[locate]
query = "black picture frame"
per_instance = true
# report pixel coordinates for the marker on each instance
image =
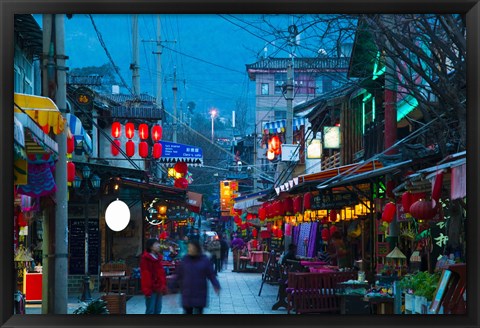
(470, 8)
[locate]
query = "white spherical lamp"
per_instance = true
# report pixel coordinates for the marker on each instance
(117, 215)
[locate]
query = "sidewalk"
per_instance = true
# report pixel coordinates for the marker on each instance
(239, 295)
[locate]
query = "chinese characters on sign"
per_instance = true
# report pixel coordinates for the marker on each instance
(228, 191)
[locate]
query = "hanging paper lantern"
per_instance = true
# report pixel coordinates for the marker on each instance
(70, 171)
(157, 150)
(181, 167)
(437, 186)
(277, 208)
(237, 220)
(423, 209)
(270, 155)
(265, 234)
(181, 183)
(389, 212)
(163, 235)
(390, 187)
(22, 222)
(325, 234)
(418, 195)
(143, 131)
(333, 216)
(114, 149)
(297, 204)
(116, 129)
(143, 149)
(307, 201)
(130, 148)
(333, 229)
(156, 133)
(274, 145)
(70, 145)
(288, 206)
(262, 214)
(407, 201)
(129, 130)
(254, 233)
(255, 244)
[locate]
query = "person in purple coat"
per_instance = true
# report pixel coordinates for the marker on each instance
(192, 274)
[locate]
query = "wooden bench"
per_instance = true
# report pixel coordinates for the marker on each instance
(311, 292)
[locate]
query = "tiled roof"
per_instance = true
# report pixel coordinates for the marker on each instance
(300, 63)
(122, 98)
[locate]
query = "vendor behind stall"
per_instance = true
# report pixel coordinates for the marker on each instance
(341, 252)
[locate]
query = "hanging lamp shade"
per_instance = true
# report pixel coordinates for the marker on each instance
(143, 131)
(254, 233)
(115, 150)
(70, 171)
(129, 130)
(307, 201)
(389, 212)
(423, 209)
(181, 183)
(270, 155)
(297, 204)
(143, 149)
(130, 148)
(274, 145)
(262, 213)
(70, 145)
(333, 229)
(325, 234)
(157, 150)
(116, 129)
(156, 133)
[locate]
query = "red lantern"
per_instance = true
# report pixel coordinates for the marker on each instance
(255, 244)
(157, 150)
(389, 212)
(130, 148)
(70, 171)
(262, 213)
(297, 204)
(307, 201)
(423, 209)
(265, 234)
(70, 145)
(129, 130)
(143, 131)
(114, 149)
(181, 167)
(116, 129)
(325, 234)
(163, 235)
(254, 233)
(274, 145)
(333, 229)
(333, 215)
(279, 233)
(22, 222)
(390, 187)
(437, 187)
(156, 133)
(181, 183)
(288, 206)
(407, 201)
(418, 195)
(143, 149)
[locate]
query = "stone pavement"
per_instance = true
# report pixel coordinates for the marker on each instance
(239, 295)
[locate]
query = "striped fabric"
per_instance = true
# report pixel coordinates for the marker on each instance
(277, 126)
(79, 133)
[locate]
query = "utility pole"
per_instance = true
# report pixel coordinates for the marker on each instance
(289, 98)
(134, 66)
(159, 63)
(48, 78)
(175, 120)
(61, 209)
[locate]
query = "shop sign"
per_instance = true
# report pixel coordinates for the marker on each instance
(383, 249)
(401, 215)
(333, 201)
(331, 137)
(177, 213)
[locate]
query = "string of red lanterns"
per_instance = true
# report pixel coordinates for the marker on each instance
(143, 132)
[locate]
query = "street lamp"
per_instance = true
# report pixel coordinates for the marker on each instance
(213, 114)
(86, 187)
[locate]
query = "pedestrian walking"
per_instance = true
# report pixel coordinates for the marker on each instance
(153, 279)
(237, 247)
(223, 253)
(192, 275)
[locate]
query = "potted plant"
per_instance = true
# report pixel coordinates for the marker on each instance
(97, 306)
(407, 285)
(426, 290)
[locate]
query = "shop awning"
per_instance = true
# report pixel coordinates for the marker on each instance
(81, 137)
(276, 126)
(250, 200)
(356, 177)
(36, 141)
(42, 110)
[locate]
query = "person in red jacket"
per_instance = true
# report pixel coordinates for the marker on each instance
(153, 279)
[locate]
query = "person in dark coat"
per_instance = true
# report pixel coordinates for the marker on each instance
(192, 275)
(153, 279)
(224, 253)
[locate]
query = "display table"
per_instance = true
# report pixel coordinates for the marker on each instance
(380, 305)
(313, 263)
(112, 277)
(32, 286)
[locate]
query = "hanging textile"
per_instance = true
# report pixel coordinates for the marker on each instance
(459, 182)
(304, 234)
(40, 180)
(311, 252)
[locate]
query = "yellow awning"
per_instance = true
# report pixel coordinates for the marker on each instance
(42, 110)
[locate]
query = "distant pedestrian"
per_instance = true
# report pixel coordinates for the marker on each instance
(237, 247)
(192, 275)
(152, 277)
(223, 253)
(214, 247)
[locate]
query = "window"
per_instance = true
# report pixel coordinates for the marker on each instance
(23, 73)
(280, 115)
(264, 88)
(280, 80)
